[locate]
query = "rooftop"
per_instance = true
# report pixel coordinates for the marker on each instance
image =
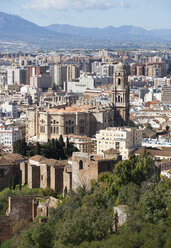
(50, 162)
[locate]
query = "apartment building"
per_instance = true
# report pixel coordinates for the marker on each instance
(122, 139)
(8, 135)
(16, 76)
(9, 109)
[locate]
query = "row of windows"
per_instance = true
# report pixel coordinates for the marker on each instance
(119, 99)
(72, 122)
(54, 130)
(69, 130)
(67, 122)
(54, 122)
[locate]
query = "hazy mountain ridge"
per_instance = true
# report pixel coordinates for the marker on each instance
(126, 32)
(15, 28)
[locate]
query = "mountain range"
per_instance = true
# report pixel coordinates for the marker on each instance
(15, 28)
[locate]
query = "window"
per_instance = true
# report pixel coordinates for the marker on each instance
(119, 98)
(81, 130)
(117, 145)
(42, 129)
(81, 121)
(81, 165)
(119, 81)
(41, 177)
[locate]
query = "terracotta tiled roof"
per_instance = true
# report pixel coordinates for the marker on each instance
(83, 108)
(50, 162)
(148, 133)
(38, 158)
(4, 162)
(155, 152)
(57, 163)
(13, 157)
(96, 158)
(111, 151)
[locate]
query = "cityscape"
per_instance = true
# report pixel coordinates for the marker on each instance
(85, 128)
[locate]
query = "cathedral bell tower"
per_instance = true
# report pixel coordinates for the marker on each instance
(120, 95)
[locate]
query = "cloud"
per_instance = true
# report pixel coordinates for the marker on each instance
(77, 4)
(70, 4)
(125, 4)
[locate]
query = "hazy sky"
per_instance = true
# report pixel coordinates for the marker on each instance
(100, 13)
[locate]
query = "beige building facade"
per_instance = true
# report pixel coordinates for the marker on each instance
(84, 120)
(82, 143)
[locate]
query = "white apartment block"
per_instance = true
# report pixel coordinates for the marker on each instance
(58, 74)
(9, 109)
(34, 93)
(8, 135)
(123, 139)
(81, 85)
(16, 76)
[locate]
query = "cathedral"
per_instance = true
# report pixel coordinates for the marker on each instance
(44, 124)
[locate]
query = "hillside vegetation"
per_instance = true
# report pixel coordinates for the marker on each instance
(85, 218)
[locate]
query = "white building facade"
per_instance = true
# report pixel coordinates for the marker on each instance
(9, 109)
(8, 135)
(123, 139)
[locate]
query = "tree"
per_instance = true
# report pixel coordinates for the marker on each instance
(20, 146)
(85, 224)
(37, 149)
(69, 149)
(153, 203)
(137, 169)
(61, 147)
(61, 141)
(37, 236)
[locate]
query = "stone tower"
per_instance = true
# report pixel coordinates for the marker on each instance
(120, 95)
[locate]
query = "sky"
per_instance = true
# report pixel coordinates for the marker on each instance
(148, 14)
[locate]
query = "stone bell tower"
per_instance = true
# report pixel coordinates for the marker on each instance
(120, 94)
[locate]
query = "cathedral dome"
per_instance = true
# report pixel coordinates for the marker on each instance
(120, 67)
